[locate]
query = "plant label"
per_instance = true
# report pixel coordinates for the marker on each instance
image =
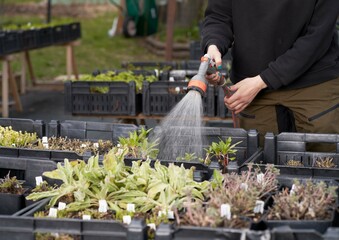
(170, 215)
(44, 139)
(292, 191)
(177, 90)
(152, 226)
(130, 207)
(61, 206)
(45, 145)
(38, 180)
(83, 145)
(53, 212)
(225, 211)
(244, 186)
(260, 178)
(86, 217)
(161, 213)
(96, 145)
(103, 206)
(13, 145)
(259, 207)
(126, 219)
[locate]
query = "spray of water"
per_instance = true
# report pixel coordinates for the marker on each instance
(180, 131)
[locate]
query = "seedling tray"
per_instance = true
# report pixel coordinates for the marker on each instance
(10, 42)
(28, 39)
(160, 97)
(93, 131)
(74, 31)
(286, 146)
(25, 125)
(23, 223)
(121, 98)
(44, 37)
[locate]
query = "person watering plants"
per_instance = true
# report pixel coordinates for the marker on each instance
(285, 57)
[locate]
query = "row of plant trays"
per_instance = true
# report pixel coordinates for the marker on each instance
(22, 225)
(12, 41)
(87, 134)
(155, 98)
(289, 153)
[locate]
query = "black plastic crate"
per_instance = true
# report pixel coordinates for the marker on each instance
(23, 222)
(28, 125)
(25, 169)
(248, 143)
(60, 34)
(121, 98)
(279, 149)
(44, 37)
(168, 65)
(74, 31)
(28, 39)
(93, 131)
(222, 110)
(10, 42)
(160, 97)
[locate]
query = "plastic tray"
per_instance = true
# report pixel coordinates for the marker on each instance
(28, 125)
(74, 31)
(120, 100)
(93, 131)
(28, 39)
(160, 97)
(10, 42)
(44, 37)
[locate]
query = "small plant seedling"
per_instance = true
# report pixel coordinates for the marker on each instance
(326, 162)
(188, 157)
(11, 185)
(221, 151)
(294, 163)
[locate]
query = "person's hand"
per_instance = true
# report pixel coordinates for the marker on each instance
(215, 56)
(244, 93)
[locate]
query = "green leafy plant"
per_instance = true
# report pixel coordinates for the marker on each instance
(12, 138)
(222, 151)
(125, 76)
(188, 157)
(138, 144)
(11, 185)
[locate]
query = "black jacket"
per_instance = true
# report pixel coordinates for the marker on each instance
(290, 43)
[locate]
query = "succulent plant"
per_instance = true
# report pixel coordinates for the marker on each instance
(12, 138)
(11, 185)
(326, 162)
(304, 201)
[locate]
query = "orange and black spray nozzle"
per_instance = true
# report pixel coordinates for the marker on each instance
(199, 82)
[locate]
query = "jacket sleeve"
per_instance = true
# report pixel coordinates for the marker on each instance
(217, 26)
(307, 49)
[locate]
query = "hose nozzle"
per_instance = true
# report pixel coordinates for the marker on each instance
(199, 82)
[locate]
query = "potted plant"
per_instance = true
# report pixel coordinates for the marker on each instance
(309, 204)
(11, 195)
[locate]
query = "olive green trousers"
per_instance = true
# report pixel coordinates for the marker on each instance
(313, 109)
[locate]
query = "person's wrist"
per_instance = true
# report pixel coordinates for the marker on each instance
(261, 83)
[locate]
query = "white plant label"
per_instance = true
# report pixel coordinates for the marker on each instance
(103, 206)
(225, 211)
(292, 191)
(259, 207)
(177, 90)
(38, 180)
(171, 79)
(260, 178)
(161, 213)
(53, 212)
(83, 145)
(96, 145)
(13, 145)
(45, 145)
(152, 226)
(61, 206)
(170, 215)
(44, 139)
(130, 207)
(156, 72)
(244, 186)
(86, 217)
(126, 219)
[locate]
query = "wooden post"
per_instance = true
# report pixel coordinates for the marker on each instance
(23, 74)
(5, 101)
(14, 88)
(30, 68)
(171, 12)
